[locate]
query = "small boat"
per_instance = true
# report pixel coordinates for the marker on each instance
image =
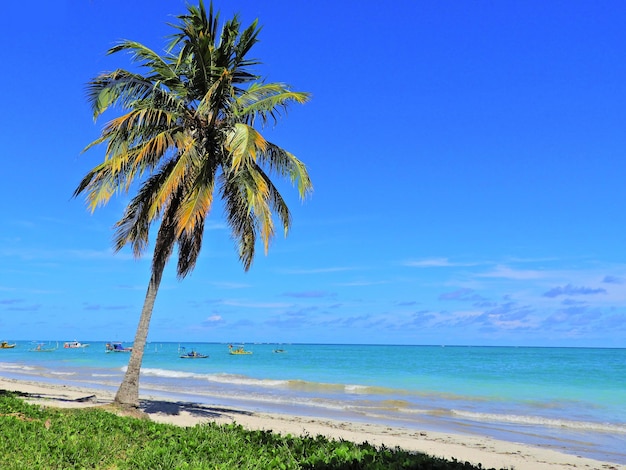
(6, 345)
(43, 347)
(238, 351)
(117, 347)
(279, 351)
(74, 345)
(191, 354)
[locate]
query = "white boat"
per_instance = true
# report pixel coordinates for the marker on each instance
(74, 345)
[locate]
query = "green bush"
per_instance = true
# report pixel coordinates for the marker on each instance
(37, 437)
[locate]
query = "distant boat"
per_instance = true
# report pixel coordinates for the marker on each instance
(117, 347)
(279, 351)
(42, 347)
(74, 345)
(6, 345)
(191, 354)
(238, 351)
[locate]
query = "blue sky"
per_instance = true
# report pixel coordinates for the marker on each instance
(467, 158)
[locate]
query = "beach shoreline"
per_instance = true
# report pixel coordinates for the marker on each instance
(474, 449)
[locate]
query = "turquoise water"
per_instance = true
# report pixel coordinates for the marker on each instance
(569, 399)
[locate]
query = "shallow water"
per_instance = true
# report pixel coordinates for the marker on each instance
(569, 399)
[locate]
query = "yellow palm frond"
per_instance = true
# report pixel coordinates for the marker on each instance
(185, 146)
(243, 143)
(194, 208)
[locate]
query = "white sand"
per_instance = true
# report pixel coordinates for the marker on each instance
(489, 452)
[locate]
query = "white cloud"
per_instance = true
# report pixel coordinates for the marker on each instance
(436, 263)
(505, 272)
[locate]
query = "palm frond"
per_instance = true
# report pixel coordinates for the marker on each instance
(243, 144)
(285, 164)
(116, 88)
(189, 245)
(266, 101)
(134, 226)
(240, 220)
(161, 68)
(99, 185)
(183, 164)
(277, 203)
(198, 200)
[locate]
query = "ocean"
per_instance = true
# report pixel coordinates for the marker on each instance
(571, 400)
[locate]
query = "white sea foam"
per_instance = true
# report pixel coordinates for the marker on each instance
(542, 421)
(242, 380)
(13, 367)
(61, 373)
(172, 374)
(230, 379)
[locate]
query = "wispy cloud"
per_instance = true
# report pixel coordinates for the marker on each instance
(407, 303)
(464, 295)
(25, 308)
(361, 283)
(215, 225)
(436, 263)
(253, 304)
(573, 290)
(506, 272)
(96, 307)
(309, 294)
(213, 320)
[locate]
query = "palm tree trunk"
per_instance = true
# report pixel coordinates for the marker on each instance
(128, 393)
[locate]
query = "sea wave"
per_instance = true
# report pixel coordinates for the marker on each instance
(244, 380)
(15, 367)
(229, 379)
(542, 421)
(292, 385)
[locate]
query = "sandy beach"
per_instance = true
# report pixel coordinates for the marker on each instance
(489, 452)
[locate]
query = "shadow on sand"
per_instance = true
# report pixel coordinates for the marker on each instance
(194, 409)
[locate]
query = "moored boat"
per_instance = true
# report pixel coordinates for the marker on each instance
(193, 354)
(43, 347)
(238, 351)
(74, 345)
(117, 347)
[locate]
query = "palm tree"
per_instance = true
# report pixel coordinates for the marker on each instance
(189, 133)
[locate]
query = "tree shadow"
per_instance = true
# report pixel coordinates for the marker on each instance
(194, 409)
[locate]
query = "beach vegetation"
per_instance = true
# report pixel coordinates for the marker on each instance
(189, 133)
(33, 436)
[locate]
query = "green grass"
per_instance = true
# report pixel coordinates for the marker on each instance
(37, 437)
